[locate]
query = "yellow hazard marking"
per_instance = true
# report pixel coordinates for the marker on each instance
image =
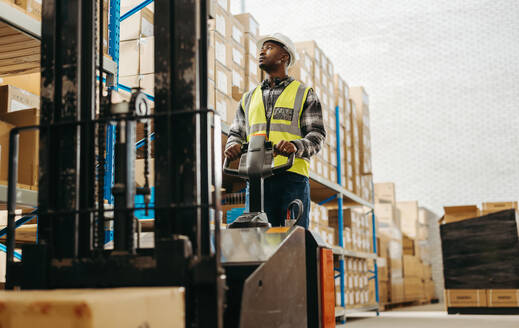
(278, 230)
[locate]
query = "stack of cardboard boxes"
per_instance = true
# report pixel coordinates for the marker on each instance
(403, 273)
(357, 229)
(232, 43)
(390, 246)
(319, 70)
(361, 99)
(342, 101)
(136, 51)
(319, 220)
(31, 7)
(356, 284)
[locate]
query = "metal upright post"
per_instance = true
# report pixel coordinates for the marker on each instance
(87, 146)
(113, 50)
(339, 203)
(61, 101)
(375, 266)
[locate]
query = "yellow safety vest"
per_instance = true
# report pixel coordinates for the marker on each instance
(284, 123)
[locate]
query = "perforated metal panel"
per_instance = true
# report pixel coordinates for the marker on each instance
(443, 80)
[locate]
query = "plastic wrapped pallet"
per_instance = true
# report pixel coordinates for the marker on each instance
(482, 252)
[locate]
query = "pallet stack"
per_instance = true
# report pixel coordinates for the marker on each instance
(481, 256)
(364, 170)
(405, 271)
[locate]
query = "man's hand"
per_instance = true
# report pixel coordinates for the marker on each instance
(233, 152)
(284, 148)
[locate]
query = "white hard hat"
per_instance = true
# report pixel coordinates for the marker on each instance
(284, 40)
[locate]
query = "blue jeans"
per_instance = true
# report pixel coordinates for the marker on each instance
(279, 191)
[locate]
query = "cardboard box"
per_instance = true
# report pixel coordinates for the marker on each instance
(385, 193)
(459, 213)
(412, 267)
(422, 233)
(252, 69)
(145, 81)
(397, 290)
(29, 145)
(492, 207)
(137, 25)
(211, 94)
(129, 58)
(237, 32)
(14, 99)
(223, 106)
(34, 8)
(224, 4)
(237, 55)
(238, 83)
(223, 79)
(383, 272)
(408, 217)
(28, 82)
(221, 23)
(222, 52)
(503, 297)
(383, 292)
(249, 23)
(361, 99)
(5, 128)
(385, 214)
(408, 245)
(466, 298)
(94, 308)
(413, 289)
(430, 290)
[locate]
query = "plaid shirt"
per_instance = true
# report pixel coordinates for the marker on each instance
(312, 127)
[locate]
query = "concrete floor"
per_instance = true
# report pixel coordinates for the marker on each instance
(427, 316)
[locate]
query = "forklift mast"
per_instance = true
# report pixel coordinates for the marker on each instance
(76, 109)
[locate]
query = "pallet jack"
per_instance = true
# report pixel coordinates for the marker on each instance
(277, 276)
(247, 276)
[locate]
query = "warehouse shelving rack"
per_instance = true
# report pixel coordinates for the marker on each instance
(342, 311)
(24, 33)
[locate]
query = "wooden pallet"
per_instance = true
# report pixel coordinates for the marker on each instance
(394, 305)
(483, 310)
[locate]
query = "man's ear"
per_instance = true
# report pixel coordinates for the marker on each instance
(286, 58)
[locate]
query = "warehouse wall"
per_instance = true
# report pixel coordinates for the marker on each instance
(443, 83)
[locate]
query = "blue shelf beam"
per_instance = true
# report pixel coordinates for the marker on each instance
(135, 9)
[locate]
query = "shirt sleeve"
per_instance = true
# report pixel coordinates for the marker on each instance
(312, 127)
(237, 132)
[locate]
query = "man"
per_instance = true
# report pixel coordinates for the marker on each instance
(290, 114)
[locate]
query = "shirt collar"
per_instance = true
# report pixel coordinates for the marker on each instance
(278, 83)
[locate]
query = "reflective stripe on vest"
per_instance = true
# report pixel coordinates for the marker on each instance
(285, 120)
